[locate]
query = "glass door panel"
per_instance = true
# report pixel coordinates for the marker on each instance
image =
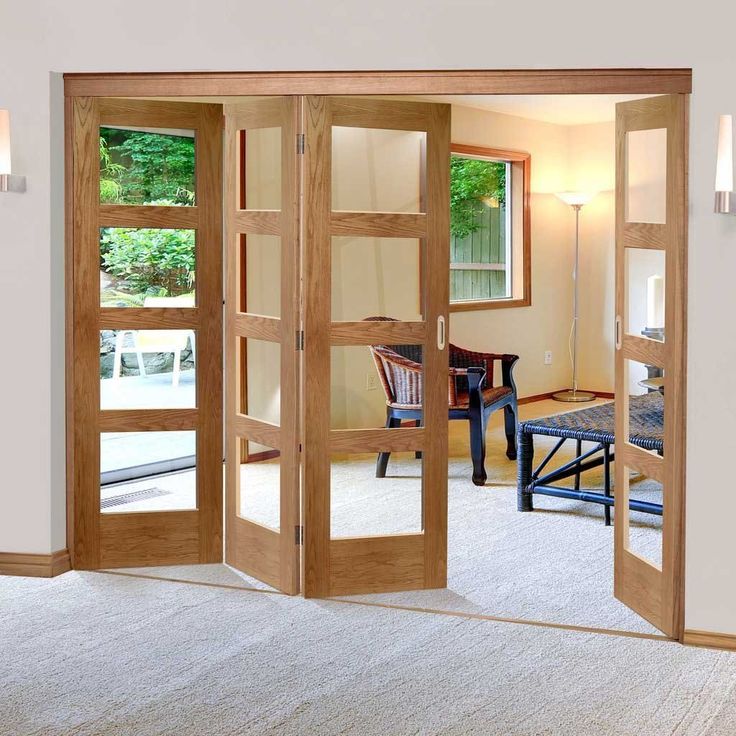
(146, 207)
(651, 209)
(262, 359)
(376, 209)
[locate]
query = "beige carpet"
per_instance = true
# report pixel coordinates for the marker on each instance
(97, 654)
(554, 564)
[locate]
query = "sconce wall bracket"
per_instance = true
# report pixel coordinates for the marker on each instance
(725, 203)
(12, 183)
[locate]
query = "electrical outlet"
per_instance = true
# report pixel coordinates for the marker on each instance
(548, 357)
(371, 381)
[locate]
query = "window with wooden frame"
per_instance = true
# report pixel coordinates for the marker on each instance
(490, 242)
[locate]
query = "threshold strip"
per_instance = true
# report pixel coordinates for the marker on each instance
(411, 609)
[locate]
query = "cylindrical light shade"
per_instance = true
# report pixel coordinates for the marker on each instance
(576, 198)
(724, 163)
(4, 142)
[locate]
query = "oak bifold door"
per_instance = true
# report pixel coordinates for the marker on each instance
(144, 373)
(300, 214)
(651, 250)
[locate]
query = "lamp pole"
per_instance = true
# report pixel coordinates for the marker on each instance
(572, 395)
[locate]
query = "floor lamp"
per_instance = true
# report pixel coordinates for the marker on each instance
(576, 200)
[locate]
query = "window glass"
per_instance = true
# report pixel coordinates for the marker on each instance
(144, 166)
(480, 227)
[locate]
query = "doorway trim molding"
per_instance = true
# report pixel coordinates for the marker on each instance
(655, 81)
(378, 82)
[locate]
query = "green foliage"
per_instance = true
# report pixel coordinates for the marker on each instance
(150, 261)
(141, 167)
(110, 189)
(471, 182)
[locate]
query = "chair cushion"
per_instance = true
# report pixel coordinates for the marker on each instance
(490, 396)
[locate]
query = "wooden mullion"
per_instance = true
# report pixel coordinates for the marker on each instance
(378, 333)
(378, 224)
(148, 420)
(151, 318)
(148, 216)
(407, 439)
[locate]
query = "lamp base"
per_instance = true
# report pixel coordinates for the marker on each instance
(572, 396)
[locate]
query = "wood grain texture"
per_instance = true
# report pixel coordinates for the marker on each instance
(149, 216)
(709, 639)
(256, 430)
(149, 318)
(386, 563)
(141, 538)
(644, 350)
(377, 440)
(35, 565)
(209, 334)
(148, 420)
(258, 327)
(377, 564)
(256, 550)
(651, 236)
(378, 224)
(437, 299)
(357, 112)
(147, 539)
(498, 81)
(316, 251)
(648, 464)
(257, 222)
(85, 357)
(378, 333)
(271, 556)
(149, 114)
(654, 593)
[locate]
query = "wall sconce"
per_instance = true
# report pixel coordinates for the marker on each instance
(8, 182)
(724, 167)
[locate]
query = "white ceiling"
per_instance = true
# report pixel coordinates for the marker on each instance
(559, 109)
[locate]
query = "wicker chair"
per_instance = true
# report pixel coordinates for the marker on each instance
(471, 394)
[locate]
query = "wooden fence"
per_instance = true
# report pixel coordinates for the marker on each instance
(478, 261)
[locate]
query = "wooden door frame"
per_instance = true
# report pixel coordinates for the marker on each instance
(367, 82)
(181, 536)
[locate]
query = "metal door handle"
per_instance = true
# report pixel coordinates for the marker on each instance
(618, 332)
(440, 333)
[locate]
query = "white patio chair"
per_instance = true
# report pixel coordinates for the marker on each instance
(155, 341)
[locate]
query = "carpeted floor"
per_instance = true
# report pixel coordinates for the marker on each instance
(98, 654)
(132, 653)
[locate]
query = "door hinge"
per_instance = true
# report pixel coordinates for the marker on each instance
(300, 142)
(300, 339)
(298, 534)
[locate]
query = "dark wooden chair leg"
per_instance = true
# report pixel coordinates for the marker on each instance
(510, 421)
(579, 452)
(478, 446)
(382, 461)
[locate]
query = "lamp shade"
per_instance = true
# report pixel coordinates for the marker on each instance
(724, 163)
(4, 142)
(576, 198)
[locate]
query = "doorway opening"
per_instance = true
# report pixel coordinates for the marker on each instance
(338, 259)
